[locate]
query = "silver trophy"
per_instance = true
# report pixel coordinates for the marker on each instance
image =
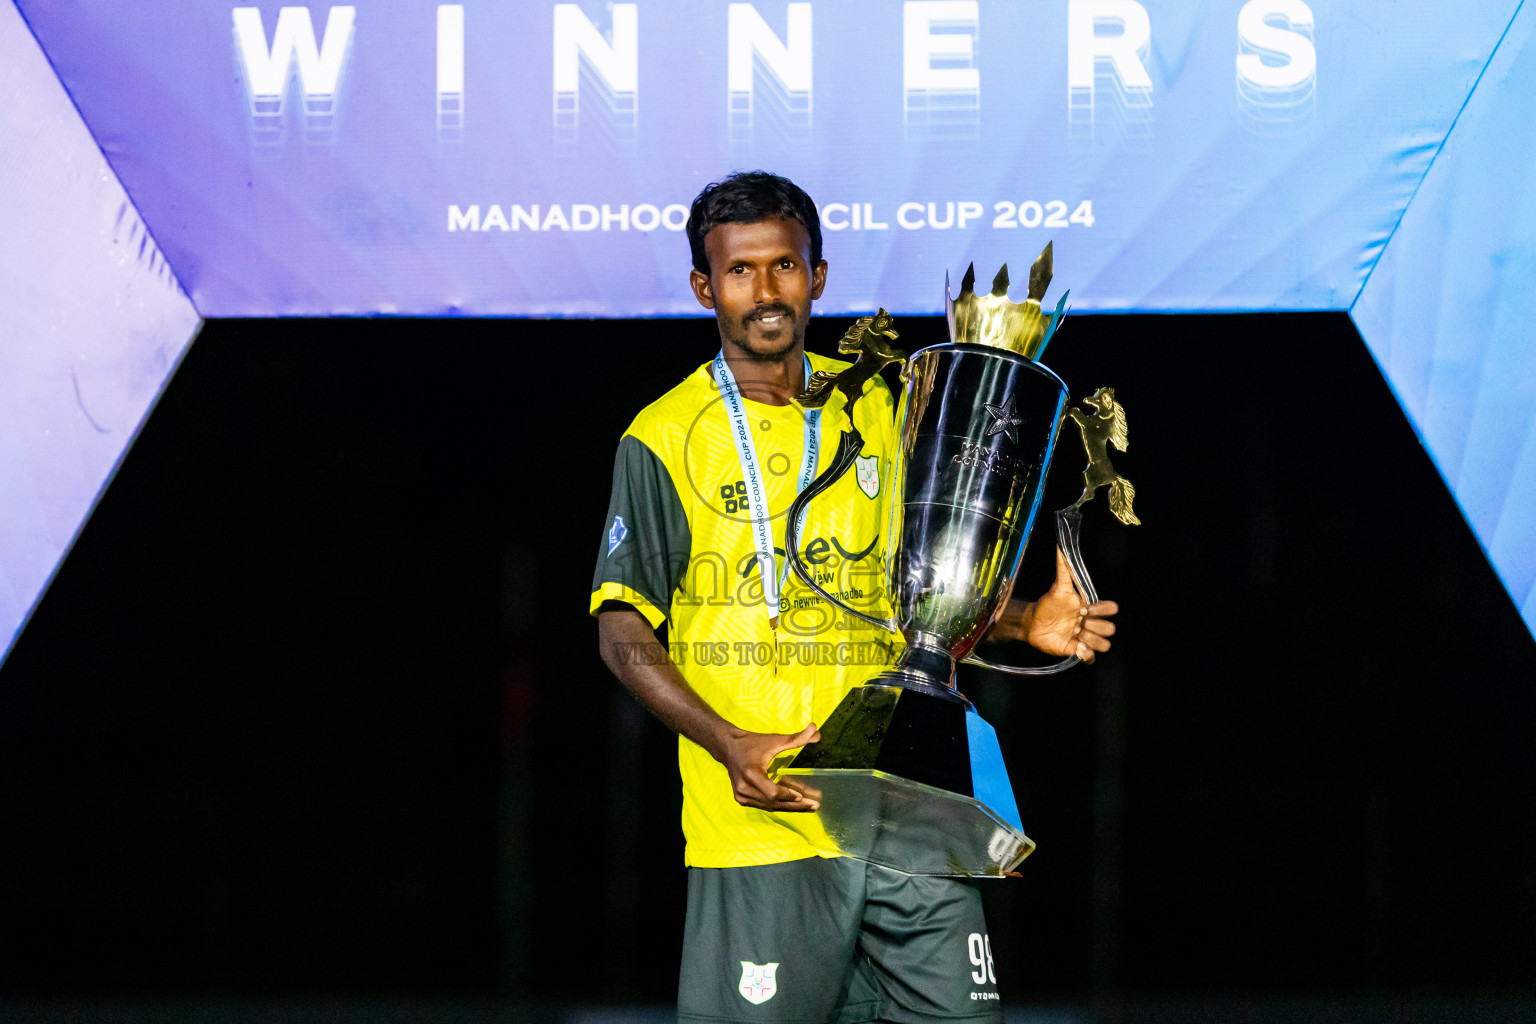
(907, 774)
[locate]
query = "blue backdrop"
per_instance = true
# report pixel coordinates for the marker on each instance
(91, 323)
(1450, 312)
(536, 158)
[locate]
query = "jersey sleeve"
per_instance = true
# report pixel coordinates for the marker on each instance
(646, 539)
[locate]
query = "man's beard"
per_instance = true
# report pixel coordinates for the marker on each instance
(764, 350)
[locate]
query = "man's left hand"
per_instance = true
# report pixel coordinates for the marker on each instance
(1059, 623)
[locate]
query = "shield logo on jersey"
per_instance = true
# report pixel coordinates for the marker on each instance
(868, 469)
(616, 533)
(757, 981)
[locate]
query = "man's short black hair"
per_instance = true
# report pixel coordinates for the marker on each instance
(747, 197)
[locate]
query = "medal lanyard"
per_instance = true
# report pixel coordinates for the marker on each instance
(757, 498)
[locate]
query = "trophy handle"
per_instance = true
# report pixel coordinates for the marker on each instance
(847, 451)
(1069, 520)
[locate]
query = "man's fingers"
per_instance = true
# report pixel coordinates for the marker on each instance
(756, 790)
(781, 799)
(799, 785)
(1102, 608)
(789, 800)
(799, 805)
(756, 784)
(1103, 627)
(1093, 641)
(1084, 654)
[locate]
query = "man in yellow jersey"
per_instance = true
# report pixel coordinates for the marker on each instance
(694, 537)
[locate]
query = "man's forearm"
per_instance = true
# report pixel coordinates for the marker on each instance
(654, 680)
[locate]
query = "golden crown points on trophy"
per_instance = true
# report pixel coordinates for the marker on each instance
(997, 322)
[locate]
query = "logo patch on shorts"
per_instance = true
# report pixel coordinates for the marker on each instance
(757, 981)
(616, 534)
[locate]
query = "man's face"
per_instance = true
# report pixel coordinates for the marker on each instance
(760, 285)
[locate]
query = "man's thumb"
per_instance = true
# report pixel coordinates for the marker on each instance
(1064, 582)
(810, 734)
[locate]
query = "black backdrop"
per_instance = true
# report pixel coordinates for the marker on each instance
(314, 708)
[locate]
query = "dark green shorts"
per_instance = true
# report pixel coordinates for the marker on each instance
(833, 941)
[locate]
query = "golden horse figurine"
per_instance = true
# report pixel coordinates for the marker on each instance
(1103, 427)
(869, 338)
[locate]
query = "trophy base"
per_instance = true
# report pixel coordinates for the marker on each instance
(910, 781)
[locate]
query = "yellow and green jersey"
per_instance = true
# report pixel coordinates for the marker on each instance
(678, 546)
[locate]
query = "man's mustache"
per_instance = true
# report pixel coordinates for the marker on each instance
(769, 309)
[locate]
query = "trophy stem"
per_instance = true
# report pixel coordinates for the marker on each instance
(924, 665)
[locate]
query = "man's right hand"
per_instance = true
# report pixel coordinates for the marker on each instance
(746, 756)
(656, 683)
